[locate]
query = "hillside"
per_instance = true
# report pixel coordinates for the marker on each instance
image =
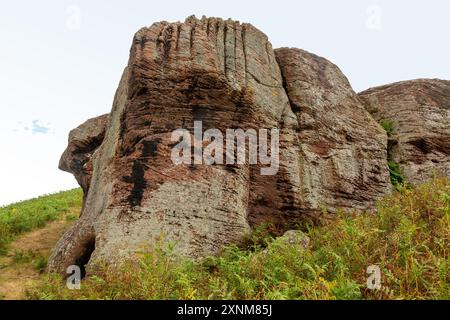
(28, 232)
(407, 238)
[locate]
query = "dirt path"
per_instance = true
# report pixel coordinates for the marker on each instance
(16, 274)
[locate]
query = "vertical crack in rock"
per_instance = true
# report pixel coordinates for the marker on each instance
(85, 255)
(244, 50)
(225, 34)
(192, 35)
(178, 37)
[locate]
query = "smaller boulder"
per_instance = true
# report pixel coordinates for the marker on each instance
(83, 141)
(419, 113)
(294, 238)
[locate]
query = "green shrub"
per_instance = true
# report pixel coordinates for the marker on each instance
(396, 175)
(388, 126)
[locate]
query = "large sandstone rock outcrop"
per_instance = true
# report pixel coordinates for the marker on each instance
(420, 113)
(225, 74)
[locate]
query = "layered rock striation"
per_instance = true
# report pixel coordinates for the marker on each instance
(419, 112)
(222, 75)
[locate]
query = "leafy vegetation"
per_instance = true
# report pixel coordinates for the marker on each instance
(388, 126)
(25, 216)
(407, 238)
(396, 175)
(397, 178)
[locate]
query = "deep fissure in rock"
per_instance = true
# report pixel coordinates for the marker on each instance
(85, 256)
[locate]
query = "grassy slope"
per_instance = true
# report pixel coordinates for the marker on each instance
(408, 238)
(26, 216)
(27, 256)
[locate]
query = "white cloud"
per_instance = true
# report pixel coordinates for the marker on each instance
(34, 127)
(39, 127)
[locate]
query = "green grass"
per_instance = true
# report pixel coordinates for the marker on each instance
(37, 260)
(408, 238)
(25, 216)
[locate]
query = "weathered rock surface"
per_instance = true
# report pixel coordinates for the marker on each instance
(83, 141)
(420, 112)
(220, 72)
(225, 74)
(342, 154)
(295, 238)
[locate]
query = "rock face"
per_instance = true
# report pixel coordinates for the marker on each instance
(226, 75)
(420, 113)
(83, 141)
(342, 149)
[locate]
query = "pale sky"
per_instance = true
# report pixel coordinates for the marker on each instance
(60, 61)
